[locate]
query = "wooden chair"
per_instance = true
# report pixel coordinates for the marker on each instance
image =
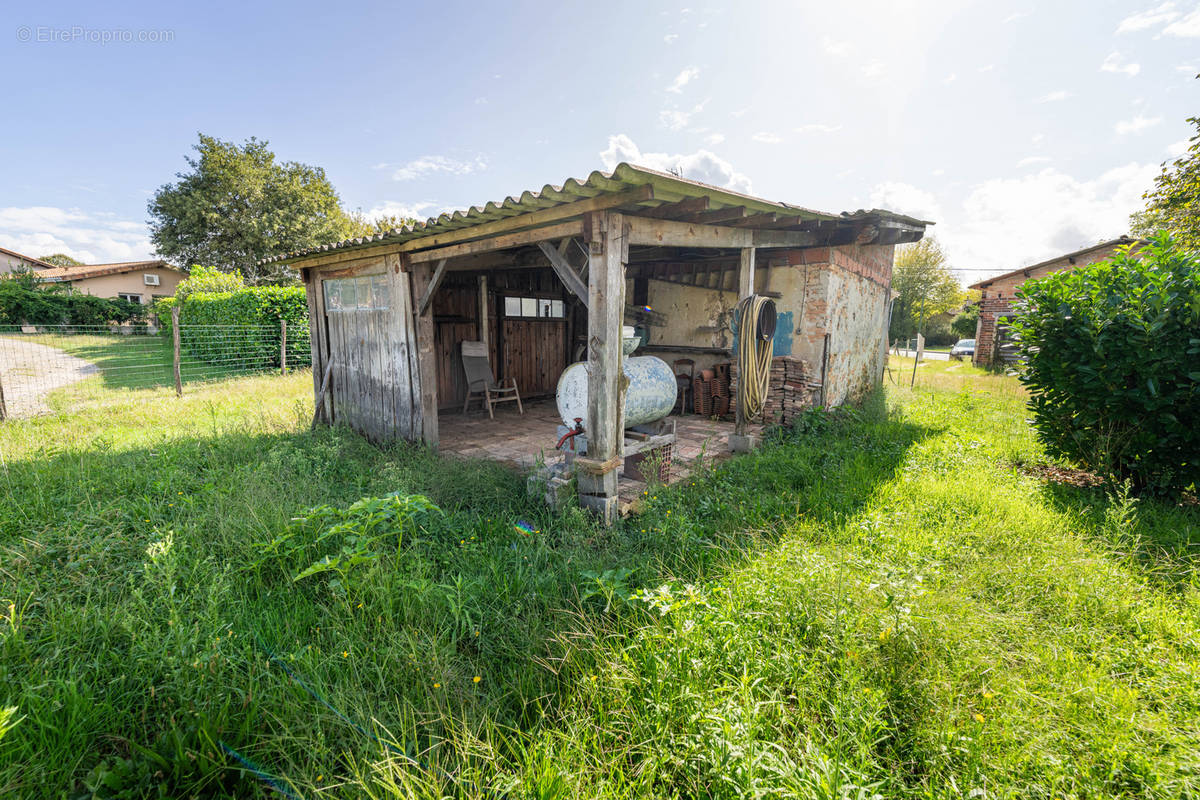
(481, 382)
(683, 383)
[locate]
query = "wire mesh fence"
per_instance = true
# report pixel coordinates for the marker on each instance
(44, 367)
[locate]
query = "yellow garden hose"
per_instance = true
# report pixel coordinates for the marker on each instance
(754, 355)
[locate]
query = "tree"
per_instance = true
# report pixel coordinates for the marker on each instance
(965, 323)
(360, 225)
(237, 205)
(60, 260)
(1174, 203)
(920, 273)
(208, 279)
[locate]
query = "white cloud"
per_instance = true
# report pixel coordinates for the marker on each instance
(1188, 68)
(1135, 125)
(906, 199)
(1055, 96)
(817, 127)
(767, 137)
(1016, 16)
(741, 112)
(951, 78)
(1176, 149)
(937, 173)
(1115, 63)
(1148, 19)
(873, 68)
(702, 165)
(683, 79)
(392, 208)
(1037, 138)
(834, 48)
(714, 138)
(1005, 223)
(673, 120)
(1029, 161)
(670, 38)
(94, 238)
(987, 68)
(426, 165)
(1188, 27)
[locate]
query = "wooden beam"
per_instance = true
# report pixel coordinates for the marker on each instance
(668, 233)
(718, 215)
(531, 219)
(597, 475)
(434, 283)
(565, 272)
(746, 273)
(534, 218)
(483, 310)
(501, 242)
(682, 208)
(754, 220)
(426, 357)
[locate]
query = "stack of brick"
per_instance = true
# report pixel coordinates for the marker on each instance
(792, 389)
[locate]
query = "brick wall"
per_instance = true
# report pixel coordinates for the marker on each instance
(999, 295)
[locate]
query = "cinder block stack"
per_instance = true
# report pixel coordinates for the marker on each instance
(792, 390)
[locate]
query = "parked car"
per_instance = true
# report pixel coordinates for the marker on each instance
(963, 348)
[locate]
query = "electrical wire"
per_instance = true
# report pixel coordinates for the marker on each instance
(754, 357)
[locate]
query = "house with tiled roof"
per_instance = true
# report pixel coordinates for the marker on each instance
(998, 296)
(137, 281)
(12, 261)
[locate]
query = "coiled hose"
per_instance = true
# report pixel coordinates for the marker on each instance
(754, 356)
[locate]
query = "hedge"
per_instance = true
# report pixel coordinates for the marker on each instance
(1112, 363)
(27, 301)
(242, 327)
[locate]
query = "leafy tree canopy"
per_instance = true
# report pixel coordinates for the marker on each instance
(361, 225)
(921, 271)
(208, 279)
(1174, 203)
(237, 205)
(60, 260)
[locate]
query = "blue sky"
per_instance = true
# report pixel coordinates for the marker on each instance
(1023, 129)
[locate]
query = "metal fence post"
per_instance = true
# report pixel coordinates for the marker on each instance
(3, 407)
(283, 347)
(175, 340)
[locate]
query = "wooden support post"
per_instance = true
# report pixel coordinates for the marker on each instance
(321, 403)
(608, 242)
(175, 340)
(283, 347)
(423, 274)
(432, 287)
(745, 289)
(484, 335)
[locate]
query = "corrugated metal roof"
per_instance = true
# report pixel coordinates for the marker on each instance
(667, 188)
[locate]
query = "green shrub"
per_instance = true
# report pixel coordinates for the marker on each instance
(26, 300)
(965, 323)
(208, 279)
(1112, 355)
(243, 326)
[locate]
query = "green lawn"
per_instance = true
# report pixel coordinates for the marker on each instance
(880, 603)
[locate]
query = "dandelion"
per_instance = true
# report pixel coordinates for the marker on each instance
(320, 778)
(477, 678)
(593, 679)
(345, 654)
(360, 605)
(978, 717)
(437, 686)
(988, 695)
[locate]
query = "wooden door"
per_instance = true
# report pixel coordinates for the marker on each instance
(534, 352)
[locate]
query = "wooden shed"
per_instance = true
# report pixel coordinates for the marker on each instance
(550, 277)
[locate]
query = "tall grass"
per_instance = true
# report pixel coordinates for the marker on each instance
(875, 603)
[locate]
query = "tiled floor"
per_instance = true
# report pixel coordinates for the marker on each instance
(523, 440)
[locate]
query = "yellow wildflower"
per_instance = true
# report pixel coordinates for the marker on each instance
(978, 717)
(477, 678)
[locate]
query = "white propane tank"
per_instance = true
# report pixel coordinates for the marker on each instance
(650, 396)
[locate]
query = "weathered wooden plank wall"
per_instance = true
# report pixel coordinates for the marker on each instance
(374, 387)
